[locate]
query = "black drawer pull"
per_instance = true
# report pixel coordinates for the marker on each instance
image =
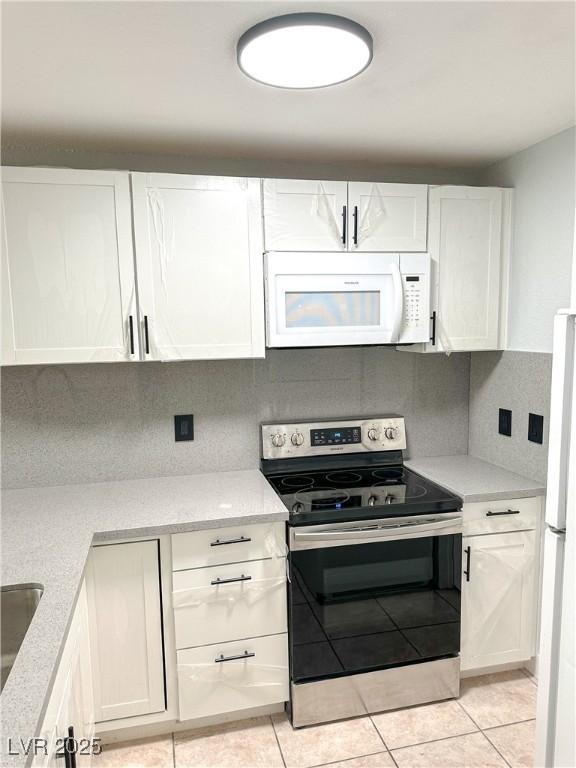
(146, 338)
(506, 512)
(467, 569)
(344, 223)
(216, 582)
(245, 655)
(131, 330)
(219, 543)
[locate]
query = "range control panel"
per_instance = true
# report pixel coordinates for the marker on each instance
(380, 433)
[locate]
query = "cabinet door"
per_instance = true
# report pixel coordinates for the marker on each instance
(68, 269)
(498, 600)
(199, 260)
(465, 246)
(126, 630)
(302, 215)
(71, 701)
(387, 217)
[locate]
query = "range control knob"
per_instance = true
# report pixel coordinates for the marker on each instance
(372, 500)
(391, 433)
(373, 433)
(278, 440)
(297, 438)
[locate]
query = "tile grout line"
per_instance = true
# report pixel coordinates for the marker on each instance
(277, 740)
(483, 734)
(505, 725)
(173, 751)
(434, 741)
(378, 732)
(348, 759)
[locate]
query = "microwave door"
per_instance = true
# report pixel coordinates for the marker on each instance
(316, 310)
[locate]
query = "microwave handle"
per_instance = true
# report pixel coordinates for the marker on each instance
(398, 304)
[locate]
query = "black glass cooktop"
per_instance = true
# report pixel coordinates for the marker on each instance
(359, 493)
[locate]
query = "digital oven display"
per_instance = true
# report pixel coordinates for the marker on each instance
(335, 436)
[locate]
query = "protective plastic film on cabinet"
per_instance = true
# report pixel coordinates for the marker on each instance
(232, 676)
(498, 598)
(199, 253)
(229, 602)
(301, 215)
(67, 267)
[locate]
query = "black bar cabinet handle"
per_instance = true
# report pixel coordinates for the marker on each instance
(71, 747)
(131, 331)
(245, 655)
(506, 512)
(467, 569)
(219, 543)
(146, 340)
(344, 223)
(433, 336)
(216, 582)
(355, 235)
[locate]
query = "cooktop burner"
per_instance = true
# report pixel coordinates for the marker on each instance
(321, 496)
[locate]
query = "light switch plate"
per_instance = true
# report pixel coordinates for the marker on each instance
(505, 422)
(535, 428)
(184, 428)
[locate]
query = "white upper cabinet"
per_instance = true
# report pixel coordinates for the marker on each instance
(387, 217)
(304, 215)
(199, 263)
(301, 215)
(68, 289)
(468, 241)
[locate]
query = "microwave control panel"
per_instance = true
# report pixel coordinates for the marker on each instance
(299, 439)
(413, 288)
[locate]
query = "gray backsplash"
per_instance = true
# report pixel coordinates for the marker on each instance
(85, 423)
(519, 381)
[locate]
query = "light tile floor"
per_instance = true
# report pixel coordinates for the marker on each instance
(491, 725)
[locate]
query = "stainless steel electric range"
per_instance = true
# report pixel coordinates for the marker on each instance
(375, 569)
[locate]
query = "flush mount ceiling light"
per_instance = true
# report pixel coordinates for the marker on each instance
(304, 50)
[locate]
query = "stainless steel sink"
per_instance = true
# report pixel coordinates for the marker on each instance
(18, 604)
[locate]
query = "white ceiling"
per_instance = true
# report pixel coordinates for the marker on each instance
(451, 82)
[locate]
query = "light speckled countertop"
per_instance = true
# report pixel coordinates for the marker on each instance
(46, 537)
(475, 480)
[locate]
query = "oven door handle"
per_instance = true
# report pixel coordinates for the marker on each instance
(395, 530)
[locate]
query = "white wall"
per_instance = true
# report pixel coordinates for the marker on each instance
(33, 154)
(543, 231)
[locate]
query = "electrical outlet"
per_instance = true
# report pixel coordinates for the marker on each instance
(184, 428)
(535, 428)
(505, 422)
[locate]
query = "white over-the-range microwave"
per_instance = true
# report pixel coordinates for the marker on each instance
(333, 299)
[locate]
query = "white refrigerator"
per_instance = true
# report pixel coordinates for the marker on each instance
(556, 711)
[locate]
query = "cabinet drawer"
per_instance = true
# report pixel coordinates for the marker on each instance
(213, 605)
(234, 544)
(211, 681)
(502, 516)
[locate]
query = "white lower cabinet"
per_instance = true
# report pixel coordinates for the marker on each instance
(229, 601)
(230, 619)
(499, 590)
(126, 629)
(71, 703)
(229, 677)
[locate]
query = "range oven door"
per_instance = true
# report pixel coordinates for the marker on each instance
(374, 595)
(331, 299)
